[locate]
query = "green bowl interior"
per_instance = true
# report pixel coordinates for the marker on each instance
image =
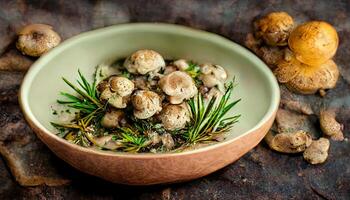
(256, 87)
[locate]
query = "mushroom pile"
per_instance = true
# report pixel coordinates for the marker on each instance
(300, 56)
(146, 87)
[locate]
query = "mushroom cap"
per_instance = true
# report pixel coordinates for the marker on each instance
(121, 85)
(111, 119)
(329, 125)
(37, 39)
(146, 104)
(295, 142)
(144, 61)
(181, 64)
(317, 152)
(114, 99)
(307, 79)
(179, 86)
(314, 42)
(213, 75)
(274, 28)
(174, 116)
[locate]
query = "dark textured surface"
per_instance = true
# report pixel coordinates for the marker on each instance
(262, 173)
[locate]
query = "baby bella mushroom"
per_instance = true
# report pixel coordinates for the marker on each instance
(37, 39)
(144, 61)
(116, 91)
(179, 86)
(174, 116)
(146, 104)
(213, 75)
(274, 28)
(306, 79)
(314, 42)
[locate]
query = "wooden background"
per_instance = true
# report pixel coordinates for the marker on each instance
(261, 174)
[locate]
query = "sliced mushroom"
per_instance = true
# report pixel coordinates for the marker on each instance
(107, 142)
(274, 28)
(294, 142)
(144, 61)
(174, 117)
(213, 75)
(179, 86)
(37, 39)
(329, 125)
(146, 104)
(112, 119)
(317, 152)
(181, 64)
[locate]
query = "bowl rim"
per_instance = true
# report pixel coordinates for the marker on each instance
(159, 27)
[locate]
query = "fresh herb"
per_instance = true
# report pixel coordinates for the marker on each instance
(193, 70)
(208, 118)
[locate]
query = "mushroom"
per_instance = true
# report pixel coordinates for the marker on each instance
(112, 119)
(169, 69)
(329, 125)
(116, 91)
(306, 79)
(314, 42)
(107, 142)
(274, 28)
(144, 61)
(179, 86)
(168, 141)
(297, 106)
(181, 64)
(174, 117)
(213, 75)
(146, 104)
(37, 39)
(214, 93)
(294, 142)
(317, 152)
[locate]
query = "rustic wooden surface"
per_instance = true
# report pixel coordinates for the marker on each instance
(261, 174)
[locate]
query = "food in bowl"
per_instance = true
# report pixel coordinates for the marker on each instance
(144, 103)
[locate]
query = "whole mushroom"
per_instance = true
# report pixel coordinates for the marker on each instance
(116, 91)
(307, 79)
(179, 86)
(112, 119)
(213, 75)
(314, 42)
(181, 64)
(174, 117)
(274, 28)
(146, 104)
(144, 61)
(37, 39)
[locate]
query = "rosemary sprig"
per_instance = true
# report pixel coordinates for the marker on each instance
(208, 118)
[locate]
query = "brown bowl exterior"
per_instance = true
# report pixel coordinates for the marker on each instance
(138, 169)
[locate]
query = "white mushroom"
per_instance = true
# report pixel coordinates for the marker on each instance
(112, 119)
(179, 86)
(146, 104)
(213, 75)
(121, 85)
(181, 64)
(174, 116)
(116, 91)
(214, 92)
(144, 61)
(168, 141)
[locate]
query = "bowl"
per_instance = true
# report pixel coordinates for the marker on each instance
(257, 87)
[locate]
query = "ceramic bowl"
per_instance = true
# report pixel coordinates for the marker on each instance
(257, 87)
